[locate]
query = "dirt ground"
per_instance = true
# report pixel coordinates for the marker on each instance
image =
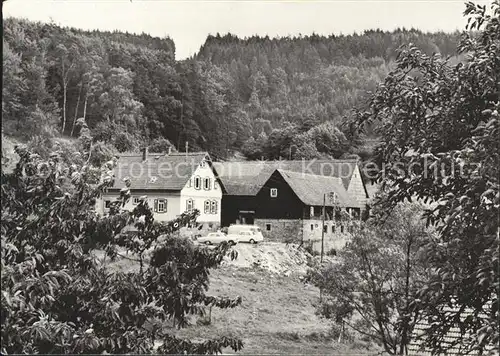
(278, 310)
(277, 258)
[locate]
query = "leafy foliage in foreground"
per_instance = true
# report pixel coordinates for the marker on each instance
(440, 123)
(376, 277)
(58, 298)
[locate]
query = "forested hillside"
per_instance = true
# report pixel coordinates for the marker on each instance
(263, 97)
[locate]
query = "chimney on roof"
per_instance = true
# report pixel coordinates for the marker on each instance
(144, 153)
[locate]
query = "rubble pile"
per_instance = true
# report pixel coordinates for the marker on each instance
(279, 258)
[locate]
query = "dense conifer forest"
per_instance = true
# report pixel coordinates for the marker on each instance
(266, 98)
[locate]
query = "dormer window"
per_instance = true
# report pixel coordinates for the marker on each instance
(197, 182)
(274, 192)
(203, 164)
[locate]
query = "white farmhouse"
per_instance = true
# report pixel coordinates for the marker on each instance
(173, 183)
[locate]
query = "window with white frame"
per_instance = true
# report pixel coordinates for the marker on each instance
(107, 204)
(136, 200)
(161, 205)
(197, 182)
(268, 227)
(213, 207)
(207, 207)
(274, 192)
(206, 183)
(189, 205)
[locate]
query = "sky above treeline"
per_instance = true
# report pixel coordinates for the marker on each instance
(189, 23)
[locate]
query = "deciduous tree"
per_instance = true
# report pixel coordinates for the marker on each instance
(377, 275)
(57, 297)
(440, 129)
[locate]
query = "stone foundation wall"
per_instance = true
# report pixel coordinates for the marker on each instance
(290, 230)
(332, 239)
(282, 230)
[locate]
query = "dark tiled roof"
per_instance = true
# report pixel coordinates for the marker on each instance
(247, 177)
(453, 341)
(311, 188)
(159, 171)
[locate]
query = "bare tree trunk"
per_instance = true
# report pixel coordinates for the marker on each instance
(65, 92)
(64, 98)
(406, 324)
(85, 106)
(76, 109)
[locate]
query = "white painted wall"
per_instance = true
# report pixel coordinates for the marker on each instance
(199, 196)
(173, 204)
(176, 202)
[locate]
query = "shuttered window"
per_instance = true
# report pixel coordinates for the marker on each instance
(189, 205)
(213, 207)
(206, 183)
(197, 182)
(162, 205)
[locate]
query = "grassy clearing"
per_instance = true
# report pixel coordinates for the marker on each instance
(277, 314)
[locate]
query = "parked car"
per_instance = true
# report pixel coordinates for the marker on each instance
(250, 235)
(238, 229)
(214, 238)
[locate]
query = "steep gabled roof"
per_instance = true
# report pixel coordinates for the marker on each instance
(247, 177)
(158, 172)
(310, 189)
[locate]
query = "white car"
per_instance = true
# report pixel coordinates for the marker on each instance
(250, 236)
(215, 238)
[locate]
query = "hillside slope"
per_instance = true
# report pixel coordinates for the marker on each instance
(277, 314)
(258, 96)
